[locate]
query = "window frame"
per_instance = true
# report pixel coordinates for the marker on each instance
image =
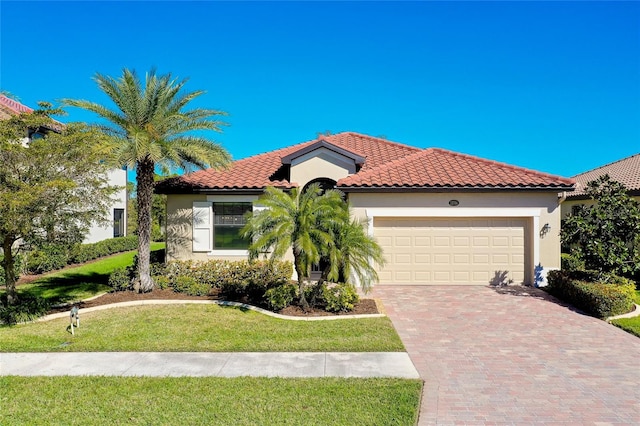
(229, 220)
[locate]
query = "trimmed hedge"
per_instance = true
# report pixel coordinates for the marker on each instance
(601, 295)
(53, 256)
(234, 278)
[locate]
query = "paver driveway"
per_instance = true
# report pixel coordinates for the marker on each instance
(514, 356)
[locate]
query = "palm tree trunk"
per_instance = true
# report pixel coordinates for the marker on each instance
(301, 277)
(8, 264)
(144, 170)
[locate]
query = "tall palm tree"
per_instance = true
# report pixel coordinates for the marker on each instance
(149, 127)
(300, 221)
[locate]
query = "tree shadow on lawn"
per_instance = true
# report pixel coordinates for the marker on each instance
(66, 287)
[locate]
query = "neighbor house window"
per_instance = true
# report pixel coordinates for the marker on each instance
(228, 220)
(118, 223)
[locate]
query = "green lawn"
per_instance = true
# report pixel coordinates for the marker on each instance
(205, 328)
(208, 401)
(80, 282)
(630, 325)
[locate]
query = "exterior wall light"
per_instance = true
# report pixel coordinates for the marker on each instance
(454, 203)
(545, 230)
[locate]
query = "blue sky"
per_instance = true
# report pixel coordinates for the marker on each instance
(552, 86)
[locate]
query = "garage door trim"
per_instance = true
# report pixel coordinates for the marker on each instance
(457, 212)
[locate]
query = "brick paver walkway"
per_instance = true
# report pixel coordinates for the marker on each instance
(514, 356)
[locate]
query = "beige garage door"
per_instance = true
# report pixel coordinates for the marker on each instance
(451, 251)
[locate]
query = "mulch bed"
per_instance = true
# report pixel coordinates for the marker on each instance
(365, 306)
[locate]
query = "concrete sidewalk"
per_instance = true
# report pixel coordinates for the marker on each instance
(217, 364)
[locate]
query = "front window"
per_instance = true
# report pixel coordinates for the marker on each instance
(118, 223)
(229, 218)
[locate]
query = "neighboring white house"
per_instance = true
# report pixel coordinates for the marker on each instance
(117, 212)
(442, 218)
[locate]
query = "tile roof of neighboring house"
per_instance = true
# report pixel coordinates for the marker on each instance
(10, 107)
(625, 171)
(387, 165)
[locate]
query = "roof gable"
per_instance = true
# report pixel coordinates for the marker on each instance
(357, 159)
(626, 171)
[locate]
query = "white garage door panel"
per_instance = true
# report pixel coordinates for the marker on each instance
(451, 251)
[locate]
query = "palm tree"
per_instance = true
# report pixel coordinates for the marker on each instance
(300, 221)
(353, 253)
(149, 127)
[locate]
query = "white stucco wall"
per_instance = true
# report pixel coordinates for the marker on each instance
(103, 231)
(321, 163)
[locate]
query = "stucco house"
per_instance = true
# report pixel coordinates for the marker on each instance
(117, 211)
(625, 171)
(441, 217)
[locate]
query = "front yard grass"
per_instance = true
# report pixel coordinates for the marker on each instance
(630, 325)
(200, 328)
(79, 282)
(216, 401)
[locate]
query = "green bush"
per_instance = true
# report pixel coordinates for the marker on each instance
(601, 295)
(190, 286)
(81, 253)
(120, 279)
(280, 297)
(28, 308)
(162, 282)
(47, 258)
(571, 262)
(340, 297)
(234, 279)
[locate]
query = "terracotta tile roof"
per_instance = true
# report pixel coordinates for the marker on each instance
(439, 168)
(264, 170)
(625, 171)
(13, 107)
(387, 165)
(10, 107)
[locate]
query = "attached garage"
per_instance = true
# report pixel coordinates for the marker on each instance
(458, 251)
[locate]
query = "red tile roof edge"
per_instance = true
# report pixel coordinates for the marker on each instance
(16, 107)
(391, 164)
(13, 105)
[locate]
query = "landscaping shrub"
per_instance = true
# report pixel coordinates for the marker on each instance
(190, 286)
(280, 297)
(570, 262)
(601, 295)
(162, 282)
(81, 253)
(47, 258)
(120, 279)
(28, 308)
(340, 297)
(234, 279)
